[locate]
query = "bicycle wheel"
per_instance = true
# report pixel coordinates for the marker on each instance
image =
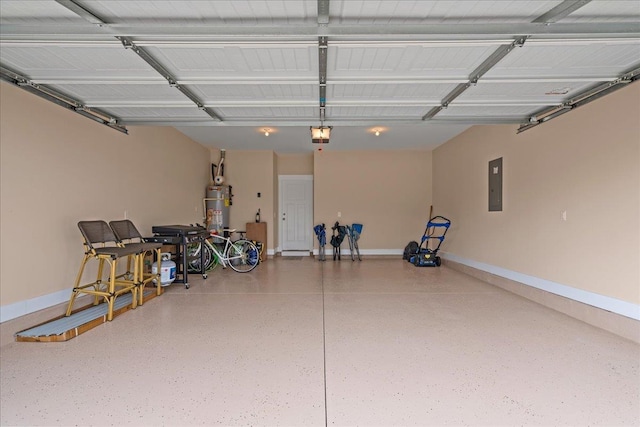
(193, 257)
(213, 258)
(243, 256)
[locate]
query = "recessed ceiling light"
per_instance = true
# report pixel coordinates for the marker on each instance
(378, 130)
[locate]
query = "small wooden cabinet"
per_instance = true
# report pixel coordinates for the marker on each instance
(258, 231)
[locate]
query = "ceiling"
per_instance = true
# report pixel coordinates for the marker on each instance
(221, 72)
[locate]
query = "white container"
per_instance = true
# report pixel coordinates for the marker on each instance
(167, 270)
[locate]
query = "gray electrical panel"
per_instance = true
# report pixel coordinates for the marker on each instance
(495, 185)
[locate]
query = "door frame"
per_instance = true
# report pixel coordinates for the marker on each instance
(281, 179)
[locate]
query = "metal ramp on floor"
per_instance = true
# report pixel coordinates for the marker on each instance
(64, 328)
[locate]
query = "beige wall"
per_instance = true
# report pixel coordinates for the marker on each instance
(249, 173)
(59, 168)
(295, 164)
(586, 163)
(387, 191)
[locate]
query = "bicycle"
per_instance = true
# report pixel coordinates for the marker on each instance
(241, 255)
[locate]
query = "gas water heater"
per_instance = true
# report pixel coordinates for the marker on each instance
(217, 205)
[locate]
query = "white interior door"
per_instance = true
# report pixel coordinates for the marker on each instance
(296, 212)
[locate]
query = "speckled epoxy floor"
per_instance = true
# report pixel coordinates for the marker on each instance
(300, 342)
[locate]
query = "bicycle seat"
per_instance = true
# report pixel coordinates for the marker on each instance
(230, 231)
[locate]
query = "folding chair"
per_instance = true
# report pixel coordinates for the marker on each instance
(336, 239)
(129, 237)
(353, 234)
(101, 244)
(322, 239)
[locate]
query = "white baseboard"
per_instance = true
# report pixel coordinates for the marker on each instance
(623, 308)
(603, 302)
(21, 308)
(295, 253)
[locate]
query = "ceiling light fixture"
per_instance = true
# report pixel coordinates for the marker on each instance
(377, 132)
(321, 134)
(266, 132)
